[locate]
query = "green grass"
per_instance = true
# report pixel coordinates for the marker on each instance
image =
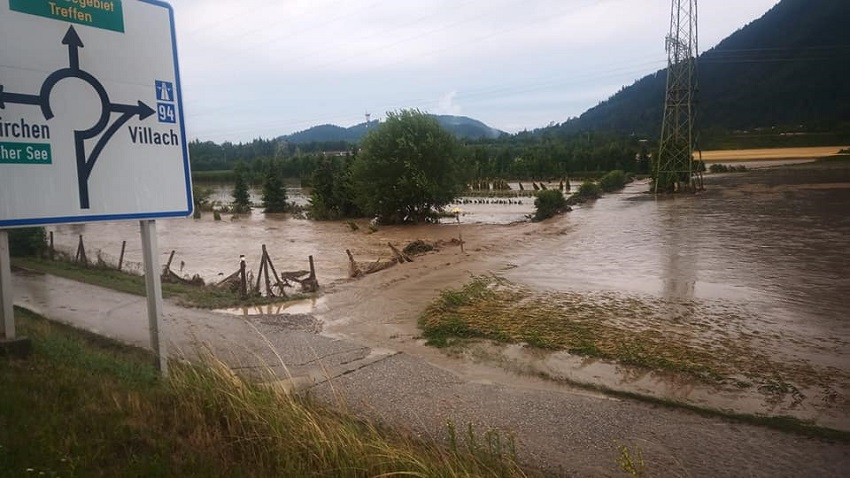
(84, 406)
(490, 308)
(188, 295)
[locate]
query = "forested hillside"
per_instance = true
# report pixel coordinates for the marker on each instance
(789, 69)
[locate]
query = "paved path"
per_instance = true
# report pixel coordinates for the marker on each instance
(563, 431)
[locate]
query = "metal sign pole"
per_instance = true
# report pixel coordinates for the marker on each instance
(7, 311)
(150, 252)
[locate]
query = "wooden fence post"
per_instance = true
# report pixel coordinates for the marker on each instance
(121, 258)
(81, 252)
(168, 264)
(243, 289)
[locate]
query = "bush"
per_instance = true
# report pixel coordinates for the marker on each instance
(28, 241)
(418, 247)
(589, 190)
(333, 193)
(549, 203)
(613, 181)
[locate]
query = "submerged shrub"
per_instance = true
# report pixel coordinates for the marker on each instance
(418, 247)
(548, 204)
(589, 190)
(613, 181)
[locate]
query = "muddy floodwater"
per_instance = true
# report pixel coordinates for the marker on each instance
(211, 249)
(760, 259)
(762, 256)
(780, 247)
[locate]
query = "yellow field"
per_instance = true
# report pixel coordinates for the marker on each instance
(771, 154)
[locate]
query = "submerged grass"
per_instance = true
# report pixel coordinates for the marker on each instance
(189, 295)
(85, 406)
(490, 308)
(631, 331)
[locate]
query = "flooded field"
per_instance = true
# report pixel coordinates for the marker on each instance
(756, 264)
(760, 259)
(211, 248)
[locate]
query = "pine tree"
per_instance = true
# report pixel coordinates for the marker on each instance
(241, 197)
(274, 192)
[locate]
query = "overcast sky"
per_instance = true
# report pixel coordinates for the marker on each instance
(264, 68)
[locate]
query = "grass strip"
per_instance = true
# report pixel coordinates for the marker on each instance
(84, 406)
(491, 308)
(686, 337)
(204, 297)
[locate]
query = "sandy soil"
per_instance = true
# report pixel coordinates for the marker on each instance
(381, 310)
(770, 154)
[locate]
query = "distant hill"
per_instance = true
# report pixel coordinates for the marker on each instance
(791, 67)
(468, 128)
(460, 126)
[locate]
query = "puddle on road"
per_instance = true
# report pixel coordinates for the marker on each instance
(293, 307)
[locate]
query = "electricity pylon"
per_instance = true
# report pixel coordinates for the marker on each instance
(675, 167)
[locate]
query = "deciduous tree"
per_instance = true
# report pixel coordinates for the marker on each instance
(407, 169)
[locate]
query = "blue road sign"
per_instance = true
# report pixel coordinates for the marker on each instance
(165, 91)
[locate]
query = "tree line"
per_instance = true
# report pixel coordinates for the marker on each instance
(410, 168)
(524, 156)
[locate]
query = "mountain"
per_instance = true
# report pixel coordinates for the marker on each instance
(467, 128)
(460, 126)
(328, 133)
(790, 68)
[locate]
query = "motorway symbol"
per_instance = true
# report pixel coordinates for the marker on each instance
(85, 161)
(164, 91)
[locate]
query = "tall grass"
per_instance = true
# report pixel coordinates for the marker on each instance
(85, 406)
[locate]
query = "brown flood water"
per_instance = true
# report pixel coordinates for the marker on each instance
(761, 258)
(764, 255)
(211, 248)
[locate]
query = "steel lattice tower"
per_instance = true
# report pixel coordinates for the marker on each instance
(675, 168)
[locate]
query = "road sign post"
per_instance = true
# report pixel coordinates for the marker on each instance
(91, 122)
(153, 283)
(6, 308)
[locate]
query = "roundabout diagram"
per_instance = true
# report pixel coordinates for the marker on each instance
(91, 114)
(85, 160)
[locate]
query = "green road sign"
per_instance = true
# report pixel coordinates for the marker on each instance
(25, 153)
(105, 14)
